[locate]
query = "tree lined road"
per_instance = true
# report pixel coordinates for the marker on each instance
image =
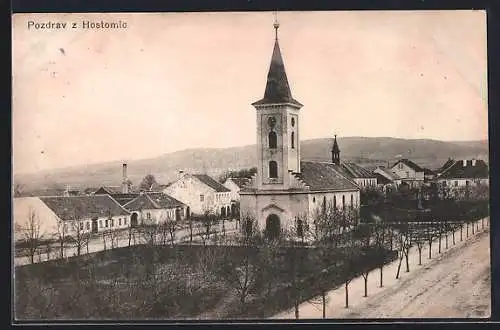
(454, 283)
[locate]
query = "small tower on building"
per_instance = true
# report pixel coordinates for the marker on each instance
(335, 151)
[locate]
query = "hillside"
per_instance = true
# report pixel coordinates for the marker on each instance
(366, 151)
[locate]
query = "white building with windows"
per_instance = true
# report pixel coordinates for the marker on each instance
(409, 172)
(69, 215)
(201, 194)
(286, 189)
(463, 173)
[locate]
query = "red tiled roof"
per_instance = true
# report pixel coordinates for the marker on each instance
(78, 207)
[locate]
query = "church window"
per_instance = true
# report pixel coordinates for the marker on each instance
(293, 122)
(273, 169)
(343, 202)
(314, 199)
(293, 140)
(324, 204)
(334, 202)
(273, 140)
(352, 201)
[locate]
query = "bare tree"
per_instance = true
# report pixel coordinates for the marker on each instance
(381, 231)
(31, 234)
(172, 226)
(62, 229)
(78, 229)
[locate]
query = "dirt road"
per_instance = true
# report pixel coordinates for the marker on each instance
(454, 283)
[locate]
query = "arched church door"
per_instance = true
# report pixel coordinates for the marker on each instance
(273, 226)
(133, 220)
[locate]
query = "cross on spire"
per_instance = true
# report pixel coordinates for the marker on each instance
(276, 24)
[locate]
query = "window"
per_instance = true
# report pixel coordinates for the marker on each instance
(456, 183)
(202, 198)
(100, 223)
(81, 225)
(467, 182)
(119, 221)
(314, 199)
(88, 225)
(273, 169)
(112, 222)
(352, 201)
(400, 166)
(125, 221)
(343, 202)
(148, 216)
(407, 174)
(293, 140)
(324, 204)
(273, 140)
(107, 223)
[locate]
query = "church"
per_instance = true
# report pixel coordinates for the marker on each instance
(285, 188)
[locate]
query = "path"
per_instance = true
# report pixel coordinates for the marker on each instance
(96, 244)
(455, 283)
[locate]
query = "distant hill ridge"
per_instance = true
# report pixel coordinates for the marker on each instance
(366, 151)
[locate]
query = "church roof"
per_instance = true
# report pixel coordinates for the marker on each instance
(355, 171)
(324, 176)
(277, 87)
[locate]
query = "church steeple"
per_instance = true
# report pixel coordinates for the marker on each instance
(335, 151)
(278, 122)
(277, 87)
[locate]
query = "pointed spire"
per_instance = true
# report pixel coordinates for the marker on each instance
(277, 87)
(335, 151)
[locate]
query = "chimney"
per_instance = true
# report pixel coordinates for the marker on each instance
(124, 179)
(465, 162)
(473, 162)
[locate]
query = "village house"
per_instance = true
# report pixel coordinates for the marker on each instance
(386, 179)
(463, 173)
(154, 208)
(235, 185)
(69, 215)
(286, 189)
(201, 194)
(409, 172)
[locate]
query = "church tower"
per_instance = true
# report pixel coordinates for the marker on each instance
(278, 147)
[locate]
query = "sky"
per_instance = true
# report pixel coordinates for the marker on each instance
(172, 81)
